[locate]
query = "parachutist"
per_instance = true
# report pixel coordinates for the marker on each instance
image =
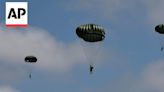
(30, 76)
(161, 48)
(91, 69)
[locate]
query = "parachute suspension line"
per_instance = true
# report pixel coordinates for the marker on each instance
(29, 70)
(161, 43)
(96, 52)
(84, 51)
(91, 51)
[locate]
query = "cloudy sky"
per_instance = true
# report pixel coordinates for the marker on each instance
(129, 59)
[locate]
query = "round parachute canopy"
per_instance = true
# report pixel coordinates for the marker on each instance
(30, 59)
(160, 28)
(90, 32)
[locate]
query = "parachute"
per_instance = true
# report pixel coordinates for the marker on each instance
(160, 30)
(30, 59)
(91, 38)
(91, 32)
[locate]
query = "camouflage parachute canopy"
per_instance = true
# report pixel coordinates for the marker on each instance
(90, 32)
(30, 59)
(160, 28)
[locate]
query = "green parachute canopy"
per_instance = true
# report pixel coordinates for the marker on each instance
(30, 59)
(90, 32)
(160, 28)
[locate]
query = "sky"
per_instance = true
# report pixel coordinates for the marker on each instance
(129, 59)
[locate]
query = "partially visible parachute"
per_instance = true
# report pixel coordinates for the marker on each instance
(160, 28)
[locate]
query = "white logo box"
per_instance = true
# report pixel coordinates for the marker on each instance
(17, 14)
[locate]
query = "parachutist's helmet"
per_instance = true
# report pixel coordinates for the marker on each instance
(30, 59)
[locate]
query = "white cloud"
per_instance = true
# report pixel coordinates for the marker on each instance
(53, 55)
(154, 76)
(105, 8)
(7, 89)
(151, 79)
(155, 11)
(120, 11)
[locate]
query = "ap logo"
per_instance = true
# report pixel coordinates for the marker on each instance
(17, 14)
